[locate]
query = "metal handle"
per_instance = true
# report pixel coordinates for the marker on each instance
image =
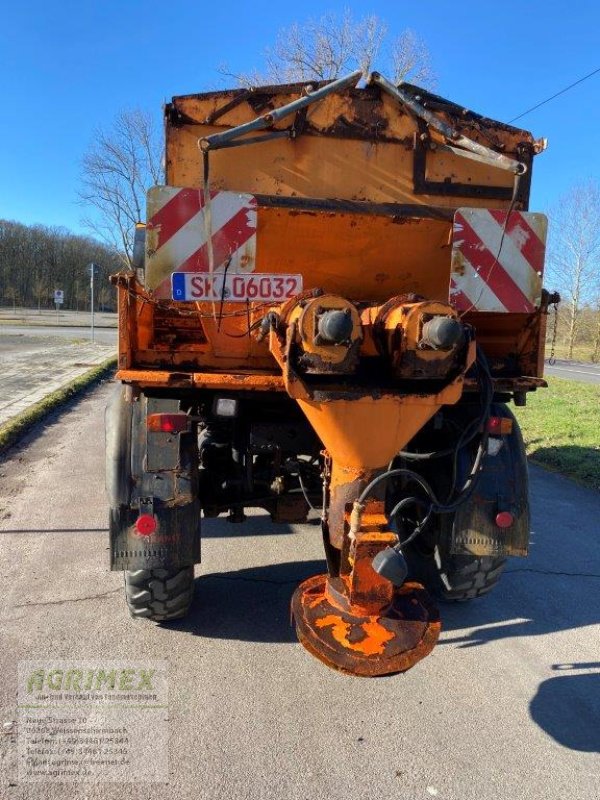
(484, 153)
(217, 140)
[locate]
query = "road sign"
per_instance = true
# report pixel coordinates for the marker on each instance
(59, 297)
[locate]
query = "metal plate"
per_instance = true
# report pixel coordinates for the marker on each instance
(177, 234)
(233, 288)
(497, 260)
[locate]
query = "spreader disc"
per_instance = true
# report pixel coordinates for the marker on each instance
(344, 639)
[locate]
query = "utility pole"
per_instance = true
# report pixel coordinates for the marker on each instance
(92, 269)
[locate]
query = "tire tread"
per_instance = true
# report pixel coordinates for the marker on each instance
(159, 594)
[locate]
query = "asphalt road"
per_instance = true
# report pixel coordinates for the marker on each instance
(507, 706)
(39, 361)
(25, 333)
(574, 371)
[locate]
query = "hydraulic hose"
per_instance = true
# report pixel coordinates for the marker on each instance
(435, 506)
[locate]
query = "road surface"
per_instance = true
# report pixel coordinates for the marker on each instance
(506, 707)
(574, 371)
(80, 333)
(39, 361)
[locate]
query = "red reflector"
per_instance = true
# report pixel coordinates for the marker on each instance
(499, 426)
(145, 524)
(168, 423)
(504, 519)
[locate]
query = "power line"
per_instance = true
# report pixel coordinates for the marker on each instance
(562, 91)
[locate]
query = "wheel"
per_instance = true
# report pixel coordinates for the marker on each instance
(159, 594)
(452, 577)
(463, 576)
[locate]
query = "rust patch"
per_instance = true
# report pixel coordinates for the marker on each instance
(366, 645)
(458, 262)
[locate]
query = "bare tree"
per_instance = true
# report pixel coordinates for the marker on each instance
(326, 48)
(596, 343)
(574, 252)
(410, 60)
(117, 169)
(40, 291)
(12, 293)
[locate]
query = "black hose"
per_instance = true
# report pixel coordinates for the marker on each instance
(391, 473)
(467, 489)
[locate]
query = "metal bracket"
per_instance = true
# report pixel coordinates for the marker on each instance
(146, 505)
(463, 143)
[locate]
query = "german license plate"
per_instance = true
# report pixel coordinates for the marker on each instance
(257, 287)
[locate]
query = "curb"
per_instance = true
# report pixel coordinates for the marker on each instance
(19, 425)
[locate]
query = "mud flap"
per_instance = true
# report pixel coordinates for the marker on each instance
(502, 486)
(150, 473)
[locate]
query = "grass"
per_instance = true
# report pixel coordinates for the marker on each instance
(16, 427)
(581, 352)
(561, 428)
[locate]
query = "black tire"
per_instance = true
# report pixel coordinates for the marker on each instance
(159, 594)
(463, 577)
(453, 578)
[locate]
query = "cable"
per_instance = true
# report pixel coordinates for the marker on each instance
(465, 492)
(223, 291)
(547, 100)
(391, 473)
(304, 491)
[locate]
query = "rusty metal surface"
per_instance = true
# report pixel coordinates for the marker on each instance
(357, 621)
(486, 154)
(366, 645)
(273, 116)
(398, 212)
(326, 157)
(238, 381)
(520, 384)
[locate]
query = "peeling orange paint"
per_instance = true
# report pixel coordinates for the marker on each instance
(376, 636)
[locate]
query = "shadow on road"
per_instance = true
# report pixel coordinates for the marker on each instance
(567, 707)
(247, 604)
(255, 525)
(528, 602)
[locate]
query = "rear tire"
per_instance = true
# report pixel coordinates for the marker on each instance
(159, 594)
(466, 577)
(454, 578)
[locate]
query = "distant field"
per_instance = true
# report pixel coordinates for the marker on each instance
(561, 427)
(581, 352)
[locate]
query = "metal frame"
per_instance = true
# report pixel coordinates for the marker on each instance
(228, 138)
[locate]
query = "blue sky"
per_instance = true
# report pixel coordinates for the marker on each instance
(68, 67)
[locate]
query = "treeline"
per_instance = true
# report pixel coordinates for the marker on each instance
(35, 260)
(577, 332)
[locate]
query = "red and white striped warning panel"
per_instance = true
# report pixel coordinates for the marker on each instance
(497, 260)
(176, 234)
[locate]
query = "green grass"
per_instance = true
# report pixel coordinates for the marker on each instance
(16, 427)
(561, 428)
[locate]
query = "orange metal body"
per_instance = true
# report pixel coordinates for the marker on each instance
(359, 623)
(360, 202)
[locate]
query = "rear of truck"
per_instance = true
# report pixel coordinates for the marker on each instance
(341, 292)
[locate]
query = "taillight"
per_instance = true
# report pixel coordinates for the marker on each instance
(168, 423)
(504, 519)
(499, 426)
(145, 524)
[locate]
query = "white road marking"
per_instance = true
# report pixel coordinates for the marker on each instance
(576, 371)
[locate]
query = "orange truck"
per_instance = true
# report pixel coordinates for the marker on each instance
(340, 290)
